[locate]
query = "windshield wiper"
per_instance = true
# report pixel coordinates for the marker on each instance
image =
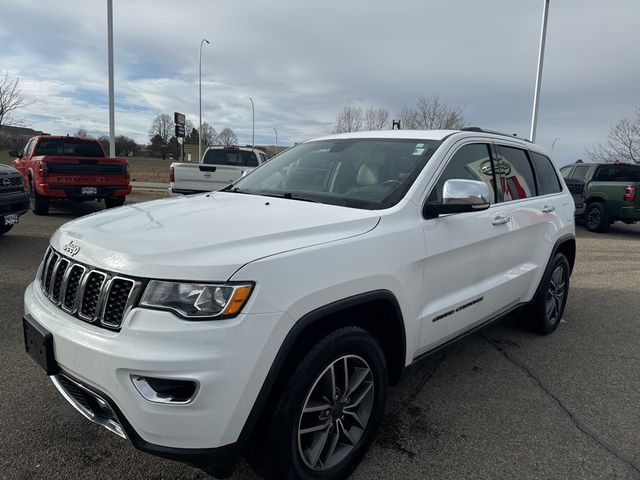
(291, 196)
(233, 189)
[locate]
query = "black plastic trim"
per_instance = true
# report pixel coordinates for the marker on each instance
(290, 340)
(218, 461)
(464, 334)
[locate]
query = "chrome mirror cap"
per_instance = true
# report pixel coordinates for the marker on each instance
(472, 193)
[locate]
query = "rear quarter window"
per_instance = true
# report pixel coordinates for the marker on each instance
(546, 176)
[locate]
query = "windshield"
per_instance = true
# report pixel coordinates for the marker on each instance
(69, 148)
(360, 173)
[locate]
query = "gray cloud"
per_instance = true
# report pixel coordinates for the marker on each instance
(303, 61)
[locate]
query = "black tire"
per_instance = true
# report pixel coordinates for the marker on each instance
(596, 218)
(284, 449)
(545, 311)
(112, 202)
(39, 203)
(5, 228)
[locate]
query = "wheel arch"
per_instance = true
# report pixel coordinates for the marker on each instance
(377, 312)
(567, 246)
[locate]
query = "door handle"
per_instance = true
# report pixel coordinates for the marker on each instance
(548, 209)
(500, 220)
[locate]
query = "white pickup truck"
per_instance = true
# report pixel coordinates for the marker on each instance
(219, 167)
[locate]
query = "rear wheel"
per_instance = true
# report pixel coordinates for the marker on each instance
(39, 203)
(596, 217)
(112, 202)
(329, 412)
(545, 311)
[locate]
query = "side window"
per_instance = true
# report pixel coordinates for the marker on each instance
(546, 176)
(251, 161)
(26, 151)
(566, 171)
(516, 177)
(628, 173)
(580, 173)
(470, 162)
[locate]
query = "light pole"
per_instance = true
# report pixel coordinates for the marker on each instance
(554, 144)
(200, 100)
(253, 123)
(274, 129)
(536, 95)
(112, 117)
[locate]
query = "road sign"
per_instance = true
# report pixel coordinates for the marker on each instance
(179, 119)
(180, 131)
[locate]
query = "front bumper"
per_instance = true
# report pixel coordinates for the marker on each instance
(229, 359)
(14, 203)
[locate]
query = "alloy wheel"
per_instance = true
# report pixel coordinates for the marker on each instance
(335, 413)
(556, 293)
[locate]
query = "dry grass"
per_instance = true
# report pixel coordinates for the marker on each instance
(143, 169)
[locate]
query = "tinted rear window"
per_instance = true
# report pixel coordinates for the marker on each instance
(517, 177)
(546, 176)
(69, 148)
(237, 158)
(617, 173)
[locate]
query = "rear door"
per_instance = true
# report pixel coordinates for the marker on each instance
(534, 203)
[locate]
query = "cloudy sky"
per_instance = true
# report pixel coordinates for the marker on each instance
(302, 61)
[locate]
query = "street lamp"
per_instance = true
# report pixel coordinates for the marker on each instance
(554, 144)
(200, 100)
(274, 129)
(253, 122)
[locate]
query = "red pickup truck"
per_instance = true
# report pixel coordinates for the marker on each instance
(57, 168)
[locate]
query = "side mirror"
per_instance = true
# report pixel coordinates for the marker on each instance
(13, 153)
(459, 196)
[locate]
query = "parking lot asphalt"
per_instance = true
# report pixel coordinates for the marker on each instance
(500, 404)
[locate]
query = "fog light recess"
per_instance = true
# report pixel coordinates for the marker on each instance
(165, 390)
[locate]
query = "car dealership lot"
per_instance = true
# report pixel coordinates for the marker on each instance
(504, 403)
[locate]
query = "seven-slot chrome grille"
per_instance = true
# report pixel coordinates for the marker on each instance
(95, 296)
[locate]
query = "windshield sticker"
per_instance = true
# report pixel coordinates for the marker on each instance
(419, 149)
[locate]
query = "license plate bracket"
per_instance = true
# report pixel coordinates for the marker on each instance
(89, 190)
(38, 342)
(11, 219)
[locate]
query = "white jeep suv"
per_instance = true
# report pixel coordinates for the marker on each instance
(271, 317)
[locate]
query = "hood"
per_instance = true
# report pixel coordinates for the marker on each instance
(4, 169)
(205, 237)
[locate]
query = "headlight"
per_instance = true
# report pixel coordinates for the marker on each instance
(197, 300)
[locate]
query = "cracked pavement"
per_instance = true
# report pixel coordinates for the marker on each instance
(501, 404)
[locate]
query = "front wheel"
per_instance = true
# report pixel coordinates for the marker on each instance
(545, 311)
(5, 228)
(329, 412)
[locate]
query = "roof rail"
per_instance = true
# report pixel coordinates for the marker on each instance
(494, 132)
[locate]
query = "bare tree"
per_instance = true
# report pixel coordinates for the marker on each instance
(162, 126)
(350, 119)
(623, 144)
(226, 137)
(409, 119)
(11, 100)
(82, 133)
(376, 119)
(432, 114)
(188, 129)
(209, 135)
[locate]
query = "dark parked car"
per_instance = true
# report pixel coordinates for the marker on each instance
(14, 200)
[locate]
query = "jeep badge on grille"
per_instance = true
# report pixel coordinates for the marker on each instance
(71, 248)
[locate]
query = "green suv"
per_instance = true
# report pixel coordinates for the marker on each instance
(610, 193)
